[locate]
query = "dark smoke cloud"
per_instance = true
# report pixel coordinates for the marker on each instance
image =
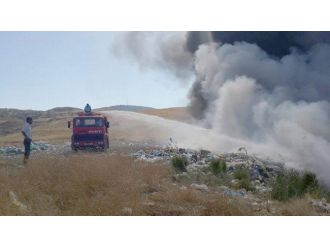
(274, 43)
(194, 39)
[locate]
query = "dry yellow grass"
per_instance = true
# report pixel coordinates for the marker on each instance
(101, 184)
(297, 207)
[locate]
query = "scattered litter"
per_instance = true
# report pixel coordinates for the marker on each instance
(201, 187)
(148, 203)
(167, 153)
(127, 211)
(38, 146)
(233, 193)
(262, 189)
(321, 205)
(14, 199)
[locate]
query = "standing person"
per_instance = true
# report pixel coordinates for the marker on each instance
(26, 131)
(88, 109)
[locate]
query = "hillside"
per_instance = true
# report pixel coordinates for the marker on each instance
(124, 108)
(12, 120)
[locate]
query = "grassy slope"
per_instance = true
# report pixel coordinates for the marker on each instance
(98, 184)
(103, 184)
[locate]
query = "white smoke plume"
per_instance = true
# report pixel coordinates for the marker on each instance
(279, 102)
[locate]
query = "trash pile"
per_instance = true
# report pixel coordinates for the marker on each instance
(192, 156)
(35, 146)
(259, 169)
(167, 152)
(234, 193)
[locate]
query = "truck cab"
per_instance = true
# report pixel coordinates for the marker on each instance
(89, 130)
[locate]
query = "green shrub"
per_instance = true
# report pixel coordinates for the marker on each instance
(218, 166)
(309, 181)
(291, 184)
(279, 188)
(295, 184)
(223, 166)
(179, 163)
(241, 173)
(245, 183)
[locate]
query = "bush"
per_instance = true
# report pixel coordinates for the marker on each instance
(179, 163)
(279, 188)
(218, 166)
(295, 184)
(241, 173)
(246, 184)
(291, 184)
(309, 181)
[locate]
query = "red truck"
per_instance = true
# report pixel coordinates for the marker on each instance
(89, 130)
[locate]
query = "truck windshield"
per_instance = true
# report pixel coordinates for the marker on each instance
(88, 122)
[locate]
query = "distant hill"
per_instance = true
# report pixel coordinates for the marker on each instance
(12, 120)
(63, 109)
(60, 112)
(124, 108)
(9, 113)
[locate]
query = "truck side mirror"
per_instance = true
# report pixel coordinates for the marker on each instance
(107, 124)
(69, 124)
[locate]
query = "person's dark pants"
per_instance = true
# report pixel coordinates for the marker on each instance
(27, 147)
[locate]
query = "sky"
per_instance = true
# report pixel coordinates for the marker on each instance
(43, 70)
